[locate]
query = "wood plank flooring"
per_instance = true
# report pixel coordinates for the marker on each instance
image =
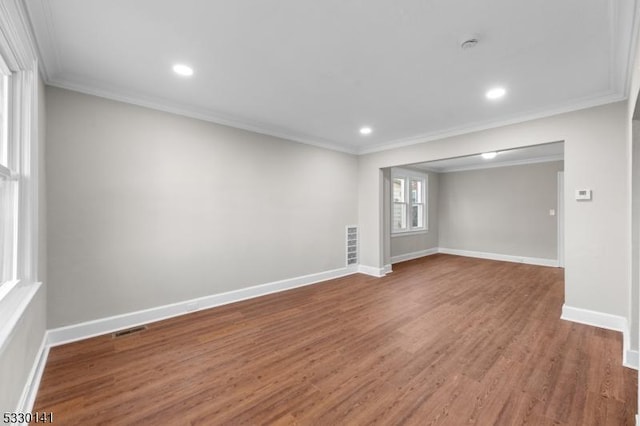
(443, 340)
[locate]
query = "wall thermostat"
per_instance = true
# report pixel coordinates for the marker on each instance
(583, 194)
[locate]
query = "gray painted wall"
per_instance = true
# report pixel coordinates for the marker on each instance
(405, 244)
(597, 233)
(148, 208)
(502, 210)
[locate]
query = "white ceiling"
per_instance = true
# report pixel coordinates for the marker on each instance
(316, 71)
(512, 157)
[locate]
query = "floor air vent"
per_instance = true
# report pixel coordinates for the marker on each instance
(352, 245)
(129, 331)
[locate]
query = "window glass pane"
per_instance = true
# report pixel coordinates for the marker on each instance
(416, 191)
(4, 208)
(398, 190)
(4, 104)
(399, 217)
(7, 229)
(417, 216)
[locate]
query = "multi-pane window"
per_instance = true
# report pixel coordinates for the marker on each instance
(408, 206)
(18, 162)
(8, 185)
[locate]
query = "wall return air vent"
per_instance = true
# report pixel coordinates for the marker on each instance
(352, 245)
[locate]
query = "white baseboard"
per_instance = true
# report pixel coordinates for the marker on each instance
(388, 268)
(630, 359)
(607, 321)
(372, 271)
(85, 330)
(503, 257)
(414, 255)
(594, 318)
(30, 391)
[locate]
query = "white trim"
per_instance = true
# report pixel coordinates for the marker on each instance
(629, 356)
(603, 98)
(413, 255)
(503, 257)
(536, 160)
(630, 359)
(388, 268)
(202, 114)
(594, 318)
(409, 233)
(5, 173)
(407, 175)
(606, 321)
(429, 167)
(46, 47)
(85, 330)
(30, 391)
(372, 271)
(620, 64)
(44, 36)
(12, 308)
(217, 118)
(560, 219)
(6, 287)
(624, 29)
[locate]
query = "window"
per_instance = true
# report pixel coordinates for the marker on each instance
(18, 165)
(8, 184)
(408, 204)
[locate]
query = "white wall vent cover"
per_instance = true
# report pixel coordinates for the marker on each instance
(352, 245)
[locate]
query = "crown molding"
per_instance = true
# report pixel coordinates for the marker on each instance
(17, 46)
(621, 62)
(167, 106)
(633, 47)
(44, 37)
(200, 114)
(623, 27)
(604, 98)
(535, 160)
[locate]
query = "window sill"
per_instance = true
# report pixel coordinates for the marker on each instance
(409, 233)
(6, 287)
(12, 306)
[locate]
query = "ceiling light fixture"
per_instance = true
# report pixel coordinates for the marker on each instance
(496, 93)
(366, 130)
(489, 155)
(183, 70)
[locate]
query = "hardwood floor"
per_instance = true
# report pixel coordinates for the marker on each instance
(442, 340)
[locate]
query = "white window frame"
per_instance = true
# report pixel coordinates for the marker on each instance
(9, 175)
(408, 175)
(20, 61)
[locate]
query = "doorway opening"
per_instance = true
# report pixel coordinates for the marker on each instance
(506, 205)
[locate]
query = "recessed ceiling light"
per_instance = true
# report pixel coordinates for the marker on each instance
(496, 93)
(489, 155)
(183, 70)
(366, 130)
